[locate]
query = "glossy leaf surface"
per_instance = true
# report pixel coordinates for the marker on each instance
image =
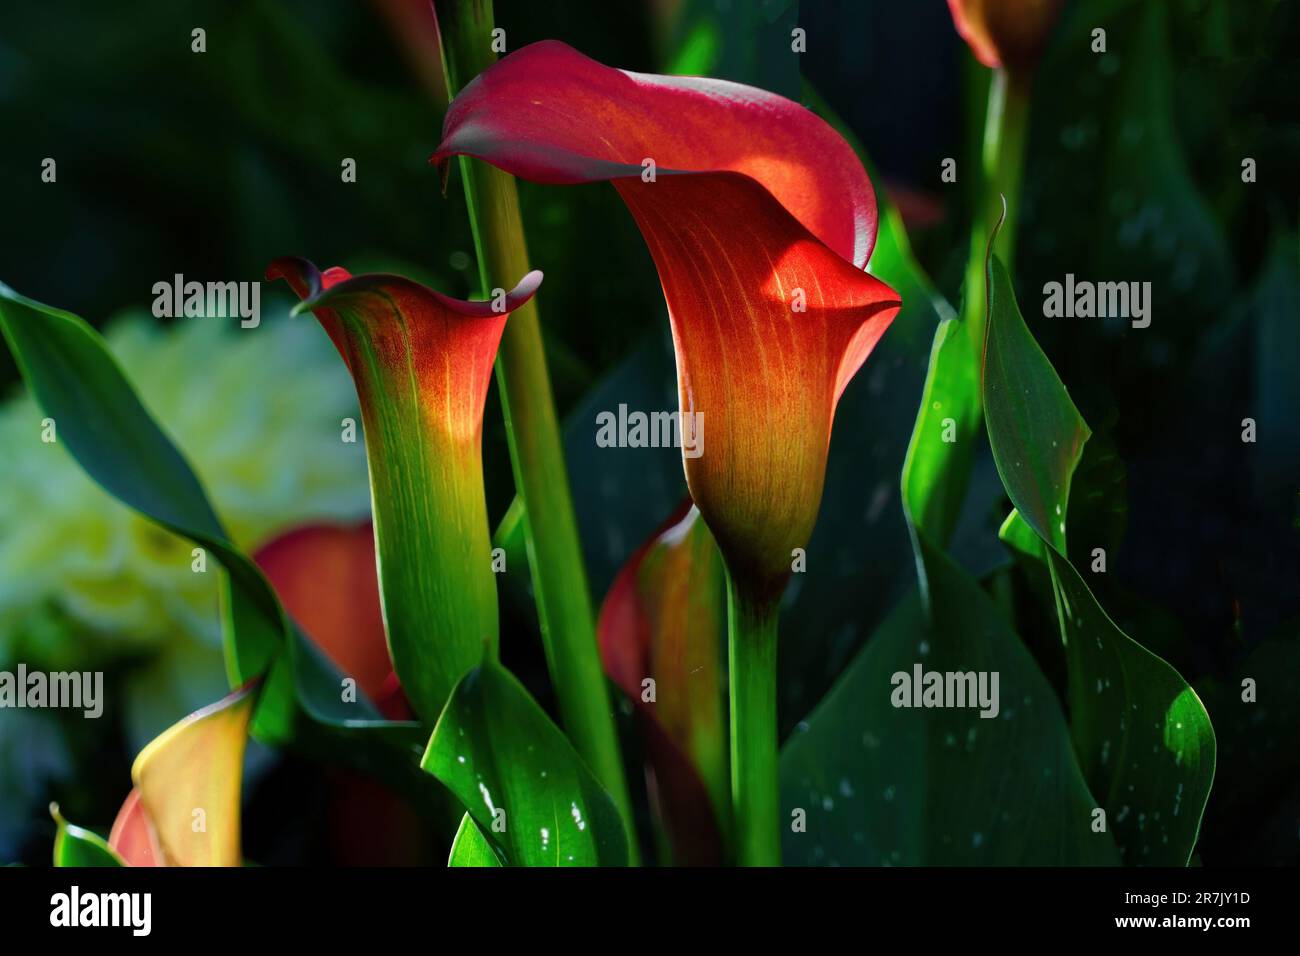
(519, 777)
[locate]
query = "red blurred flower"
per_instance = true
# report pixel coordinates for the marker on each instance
(325, 577)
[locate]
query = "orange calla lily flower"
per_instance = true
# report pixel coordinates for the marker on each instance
(760, 219)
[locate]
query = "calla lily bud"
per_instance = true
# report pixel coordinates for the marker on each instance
(421, 362)
(661, 635)
(1006, 33)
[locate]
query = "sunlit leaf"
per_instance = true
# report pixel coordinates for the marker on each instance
(518, 776)
(471, 848)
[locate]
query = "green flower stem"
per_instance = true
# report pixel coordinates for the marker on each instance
(1005, 125)
(755, 796)
(554, 553)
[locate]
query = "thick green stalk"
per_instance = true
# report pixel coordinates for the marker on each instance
(755, 795)
(1005, 125)
(554, 553)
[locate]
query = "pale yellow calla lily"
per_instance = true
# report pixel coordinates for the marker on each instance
(184, 810)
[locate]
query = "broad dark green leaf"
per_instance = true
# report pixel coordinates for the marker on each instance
(471, 847)
(77, 846)
(888, 785)
(520, 779)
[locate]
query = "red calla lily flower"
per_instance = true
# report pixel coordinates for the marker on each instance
(760, 220)
(422, 363)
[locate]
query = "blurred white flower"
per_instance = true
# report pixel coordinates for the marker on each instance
(258, 414)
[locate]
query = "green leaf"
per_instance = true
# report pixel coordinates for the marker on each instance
(77, 846)
(471, 847)
(1016, 534)
(1036, 433)
(938, 464)
(886, 785)
(520, 779)
(1142, 734)
(1143, 738)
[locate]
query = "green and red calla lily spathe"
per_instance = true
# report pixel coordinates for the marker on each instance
(760, 220)
(1005, 33)
(421, 362)
(184, 807)
(664, 619)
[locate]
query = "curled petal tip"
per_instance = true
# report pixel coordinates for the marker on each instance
(441, 161)
(528, 286)
(293, 270)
